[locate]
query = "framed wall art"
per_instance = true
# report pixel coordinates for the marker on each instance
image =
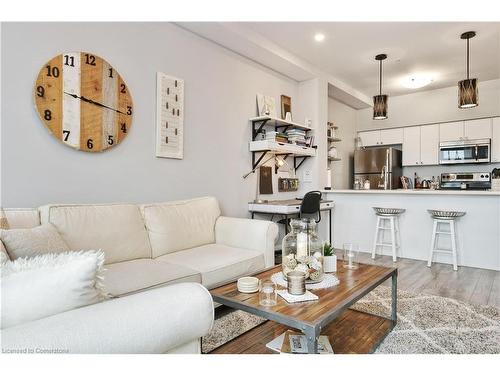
(169, 117)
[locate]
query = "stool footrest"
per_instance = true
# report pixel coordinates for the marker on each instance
(444, 251)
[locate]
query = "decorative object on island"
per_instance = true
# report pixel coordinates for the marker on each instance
(328, 179)
(296, 282)
(329, 258)
(380, 101)
(266, 105)
(468, 96)
(267, 293)
(83, 101)
(351, 253)
(169, 117)
(302, 250)
(286, 108)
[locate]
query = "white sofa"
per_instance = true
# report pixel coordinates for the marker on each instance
(148, 249)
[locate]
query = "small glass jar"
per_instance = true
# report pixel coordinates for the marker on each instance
(351, 254)
(302, 250)
(267, 293)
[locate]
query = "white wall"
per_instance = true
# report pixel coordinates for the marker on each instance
(220, 97)
(433, 106)
(344, 117)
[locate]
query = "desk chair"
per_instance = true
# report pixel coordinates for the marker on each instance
(311, 204)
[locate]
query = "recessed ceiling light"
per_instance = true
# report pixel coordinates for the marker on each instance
(319, 37)
(416, 81)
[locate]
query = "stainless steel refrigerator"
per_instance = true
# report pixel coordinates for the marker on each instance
(381, 166)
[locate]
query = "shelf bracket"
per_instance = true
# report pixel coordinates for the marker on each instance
(256, 163)
(255, 130)
(297, 166)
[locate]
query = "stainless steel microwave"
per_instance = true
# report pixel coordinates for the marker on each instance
(464, 152)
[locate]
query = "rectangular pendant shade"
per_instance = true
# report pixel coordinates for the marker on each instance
(468, 96)
(380, 107)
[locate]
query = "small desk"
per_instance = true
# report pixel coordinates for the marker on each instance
(289, 208)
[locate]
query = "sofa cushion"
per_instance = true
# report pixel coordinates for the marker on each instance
(137, 275)
(48, 284)
(117, 229)
(217, 263)
(29, 242)
(180, 225)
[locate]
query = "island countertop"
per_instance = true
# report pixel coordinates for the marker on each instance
(478, 232)
(415, 192)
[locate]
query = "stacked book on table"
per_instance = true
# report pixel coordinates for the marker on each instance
(297, 136)
(292, 342)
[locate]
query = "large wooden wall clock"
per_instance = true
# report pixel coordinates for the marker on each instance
(83, 101)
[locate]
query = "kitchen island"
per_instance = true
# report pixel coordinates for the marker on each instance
(478, 231)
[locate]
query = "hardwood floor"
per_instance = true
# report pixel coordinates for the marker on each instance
(473, 285)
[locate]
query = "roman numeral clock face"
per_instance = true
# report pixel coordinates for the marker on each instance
(83, 101)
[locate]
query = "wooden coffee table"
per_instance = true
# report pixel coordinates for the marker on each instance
(349, 331)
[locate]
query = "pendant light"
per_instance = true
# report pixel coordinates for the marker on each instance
(380, 101)
(468, 95)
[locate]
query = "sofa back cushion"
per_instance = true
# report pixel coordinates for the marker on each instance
(116, 229)
(175, 226)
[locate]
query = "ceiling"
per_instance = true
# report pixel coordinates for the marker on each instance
(348, 50)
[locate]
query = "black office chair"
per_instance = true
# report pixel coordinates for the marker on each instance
(311, 204)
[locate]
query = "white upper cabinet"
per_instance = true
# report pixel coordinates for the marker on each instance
(370, 138)
(381, 137)
(495, 140)
(451, 131)
(477, 129)
(429, 144)
(391, 136)
(411, 146)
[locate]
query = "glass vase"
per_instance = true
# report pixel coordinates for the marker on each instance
(302, 250)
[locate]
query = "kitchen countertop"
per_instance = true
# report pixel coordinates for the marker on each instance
(415, 192)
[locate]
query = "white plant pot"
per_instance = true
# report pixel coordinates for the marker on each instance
(330, 263)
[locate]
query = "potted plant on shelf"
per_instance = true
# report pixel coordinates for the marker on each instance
(329, 259)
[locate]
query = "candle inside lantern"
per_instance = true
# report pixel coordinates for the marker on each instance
(301, 245)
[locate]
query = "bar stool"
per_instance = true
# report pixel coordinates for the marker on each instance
(390, 215)
(444, 218)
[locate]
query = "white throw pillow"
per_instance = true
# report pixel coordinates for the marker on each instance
(29, 242)
(45, 285)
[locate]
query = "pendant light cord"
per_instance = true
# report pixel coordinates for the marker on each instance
(467, 58)
(380, 79)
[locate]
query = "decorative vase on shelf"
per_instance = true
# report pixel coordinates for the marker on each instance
(302, 251)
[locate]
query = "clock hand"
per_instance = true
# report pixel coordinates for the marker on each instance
(93, 102)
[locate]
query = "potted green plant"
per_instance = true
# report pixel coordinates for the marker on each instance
(330, 259)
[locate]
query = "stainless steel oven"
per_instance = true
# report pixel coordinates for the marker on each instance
(465, 152)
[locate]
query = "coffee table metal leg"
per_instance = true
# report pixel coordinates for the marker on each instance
(312, 340)
(394, 298)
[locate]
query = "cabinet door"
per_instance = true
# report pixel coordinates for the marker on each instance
(495, 140)
(478, 129)
(370, 138)
(429, 144)
(391, 136)
(451, 131)
(411, 146)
